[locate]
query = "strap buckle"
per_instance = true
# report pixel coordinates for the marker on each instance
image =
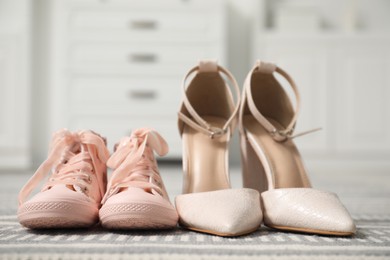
(216, 132)
(284, 134)
(281, 135)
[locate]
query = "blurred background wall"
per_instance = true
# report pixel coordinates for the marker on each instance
(97, 63)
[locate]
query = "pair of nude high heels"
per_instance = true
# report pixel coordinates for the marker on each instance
(276, 189)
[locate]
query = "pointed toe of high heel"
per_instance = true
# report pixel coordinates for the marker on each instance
(306, 210)
(229, 212)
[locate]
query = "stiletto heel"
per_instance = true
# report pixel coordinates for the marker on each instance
(207, 120)
(273, 165)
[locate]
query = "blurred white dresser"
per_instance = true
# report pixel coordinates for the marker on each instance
(15, 23)
(118, 64)
(343, 73)
(345, 82)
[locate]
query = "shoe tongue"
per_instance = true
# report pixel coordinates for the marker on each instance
(144, 164)
(77, 149)
(144, 160)
(147, 156)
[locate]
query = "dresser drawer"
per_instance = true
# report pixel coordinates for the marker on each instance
(124, 96)
(178, 5)
(137, 58)
(115, 128)
(152, 21)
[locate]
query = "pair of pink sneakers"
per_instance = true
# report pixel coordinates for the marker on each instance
(77, 194)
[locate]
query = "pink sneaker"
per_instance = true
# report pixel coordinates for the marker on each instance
(136, 197)
(71, 196)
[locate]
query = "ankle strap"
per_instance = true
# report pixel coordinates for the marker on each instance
(197, 122)
(269, 68)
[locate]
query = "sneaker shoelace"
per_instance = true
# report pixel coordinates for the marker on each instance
(134, 163)
(73, 158)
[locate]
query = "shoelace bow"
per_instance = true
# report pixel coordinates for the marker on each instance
(78, 167)
(134, 163)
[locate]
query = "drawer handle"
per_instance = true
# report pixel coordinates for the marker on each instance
(143, 25)
(142, 94)
(143, 57)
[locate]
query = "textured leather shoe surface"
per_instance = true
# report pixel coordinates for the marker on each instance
(229, 212)
(307, 210)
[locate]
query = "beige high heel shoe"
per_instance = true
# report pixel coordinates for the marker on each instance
(207, 120)
(273, 165)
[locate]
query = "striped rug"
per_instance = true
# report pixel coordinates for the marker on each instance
(372, 240)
